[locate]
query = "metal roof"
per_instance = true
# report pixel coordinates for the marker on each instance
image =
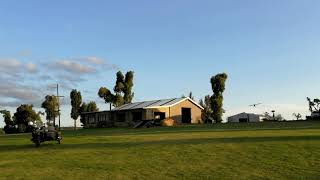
(153, 104)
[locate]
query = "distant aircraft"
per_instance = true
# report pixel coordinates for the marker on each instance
(255, 105)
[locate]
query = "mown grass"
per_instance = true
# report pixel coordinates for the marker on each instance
(226, 151)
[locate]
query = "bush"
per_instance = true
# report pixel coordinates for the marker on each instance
(9, 129)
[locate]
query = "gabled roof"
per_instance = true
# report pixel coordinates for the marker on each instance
(154, 104)
(244, 113)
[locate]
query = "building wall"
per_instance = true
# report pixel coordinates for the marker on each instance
(98, 119)
(125, 118)
(250, 117)
(128, 116)
(150, 113)
(176, 112)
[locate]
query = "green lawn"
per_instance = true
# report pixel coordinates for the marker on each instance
(226, 151)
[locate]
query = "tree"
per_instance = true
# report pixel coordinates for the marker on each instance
(51, 104)
(128, 85)
(106, 95)
(273, 117)
(76, 100)
(298, 116)
(9, 127)
(7, 117)
(90, 107)
(191, 95)
(24, 115)
(207, 111)
(122, 90)
(218, 87)
(314, 106)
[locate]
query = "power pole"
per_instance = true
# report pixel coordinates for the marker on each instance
(58, 97)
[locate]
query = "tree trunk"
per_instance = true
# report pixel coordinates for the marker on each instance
(75, 124)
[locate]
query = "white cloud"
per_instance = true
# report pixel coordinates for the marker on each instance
(98, 61)
(31, 67)
(73, 67)
(10, 65)
(27, 82)
(95, 60)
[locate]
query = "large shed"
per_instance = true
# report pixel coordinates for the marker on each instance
(245, 118)
(181, 110)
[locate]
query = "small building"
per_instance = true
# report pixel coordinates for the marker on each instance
(181, 110)
(245, 118)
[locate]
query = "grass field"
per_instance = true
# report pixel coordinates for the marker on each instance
(226, 151)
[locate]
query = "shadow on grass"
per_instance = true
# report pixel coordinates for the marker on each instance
(115, 145)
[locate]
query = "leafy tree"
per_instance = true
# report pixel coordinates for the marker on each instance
(122, 90)
(90, 107)
(218, 87)
(9, 128)
(76, 100)
(24, 115)
(51, 104)
(118, 88)
(128, 85)
(314, 105)
(298, 116)
(106, 95)
(7, 117)
(207, 111)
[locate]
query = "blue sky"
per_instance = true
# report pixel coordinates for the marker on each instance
(270, 50)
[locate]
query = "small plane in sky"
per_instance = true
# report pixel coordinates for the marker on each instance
(255, 105)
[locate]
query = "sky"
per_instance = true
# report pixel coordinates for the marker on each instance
(269, 49)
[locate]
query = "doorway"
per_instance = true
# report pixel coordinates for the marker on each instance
(186, 115)
(243, 120)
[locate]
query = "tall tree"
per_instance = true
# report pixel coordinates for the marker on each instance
(24, 115)
(122, 90)
(218, 87)
(128, 82)
(50, 105)
(76, 100)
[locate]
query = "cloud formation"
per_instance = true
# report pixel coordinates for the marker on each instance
(73, 67)
(18, 78)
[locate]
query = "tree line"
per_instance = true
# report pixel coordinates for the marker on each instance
(122, 94)
(19, 122)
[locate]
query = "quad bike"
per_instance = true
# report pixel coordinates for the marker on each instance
(42, 134)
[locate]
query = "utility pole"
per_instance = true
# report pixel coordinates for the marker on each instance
(58, 97)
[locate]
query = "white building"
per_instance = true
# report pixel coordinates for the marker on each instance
(245, 118)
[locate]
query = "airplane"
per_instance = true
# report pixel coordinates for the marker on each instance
(255, 105)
